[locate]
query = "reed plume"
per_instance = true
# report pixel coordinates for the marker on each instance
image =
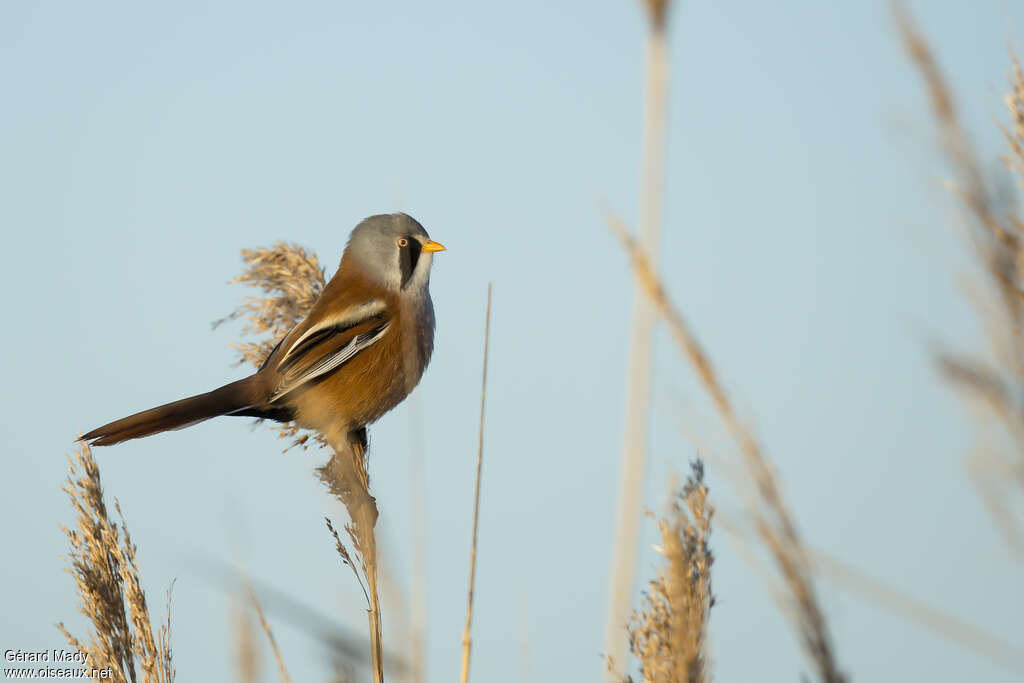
(103, 562)
(291, 279)
(668, 635)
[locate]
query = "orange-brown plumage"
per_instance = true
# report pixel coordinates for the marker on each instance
(375, 380)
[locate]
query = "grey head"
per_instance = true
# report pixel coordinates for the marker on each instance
(394, 250)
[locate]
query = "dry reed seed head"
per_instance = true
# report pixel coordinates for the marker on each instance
(103, 562)
(346, 476)
(291, 279)
(668, 635)
(346, 559)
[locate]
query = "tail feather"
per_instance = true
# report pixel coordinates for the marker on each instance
(177, 415)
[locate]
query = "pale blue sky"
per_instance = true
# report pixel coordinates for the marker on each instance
(807, 238)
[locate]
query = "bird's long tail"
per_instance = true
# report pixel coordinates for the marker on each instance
(188, 411)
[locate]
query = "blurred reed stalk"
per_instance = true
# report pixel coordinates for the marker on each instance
(342, 647)
(633, 468)
(668, 636)
(467, 641)
(865, 586)
(891, 599)
(248, 658)
(916, 611)
(771, 517)
(996, 233)
(282, 670)
(103, 562)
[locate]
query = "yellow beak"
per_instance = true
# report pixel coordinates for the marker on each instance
(431, 245)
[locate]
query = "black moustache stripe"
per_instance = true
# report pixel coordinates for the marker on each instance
(408, 256)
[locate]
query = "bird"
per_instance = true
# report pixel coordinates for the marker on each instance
(359, 352)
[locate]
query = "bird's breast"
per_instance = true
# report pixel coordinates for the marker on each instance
(417, 332)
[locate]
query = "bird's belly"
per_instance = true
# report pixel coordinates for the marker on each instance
(360, 391)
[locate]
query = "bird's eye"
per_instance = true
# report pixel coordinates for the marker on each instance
(402, 242)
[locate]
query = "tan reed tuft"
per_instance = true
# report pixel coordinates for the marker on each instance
(103, 562)
(668, 636)
(291, 279)
(347, 478)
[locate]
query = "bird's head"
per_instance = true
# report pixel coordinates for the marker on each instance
(394, 250)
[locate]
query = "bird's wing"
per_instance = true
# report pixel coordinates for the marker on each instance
(328, 344)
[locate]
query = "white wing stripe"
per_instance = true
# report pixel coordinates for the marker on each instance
(329, 363)
(350, 316)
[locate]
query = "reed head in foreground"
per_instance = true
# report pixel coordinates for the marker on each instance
(668, 635)
(102, 561)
